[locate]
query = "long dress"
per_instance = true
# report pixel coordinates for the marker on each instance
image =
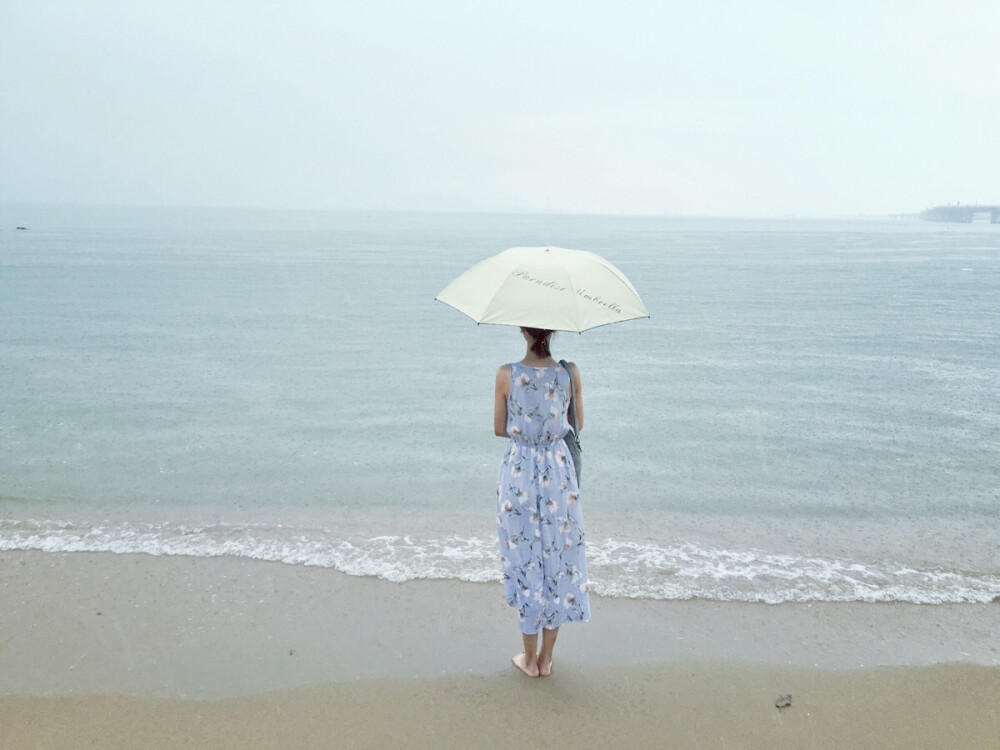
(539, 521)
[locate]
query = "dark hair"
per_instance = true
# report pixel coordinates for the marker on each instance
(541, 345)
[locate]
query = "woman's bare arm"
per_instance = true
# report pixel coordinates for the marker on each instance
(501, 392)
(577, 396)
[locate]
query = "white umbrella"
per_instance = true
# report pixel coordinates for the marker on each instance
(545, 287)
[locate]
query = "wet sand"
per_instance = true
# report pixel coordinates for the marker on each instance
(136, 651)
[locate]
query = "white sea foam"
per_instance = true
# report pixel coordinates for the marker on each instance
(617, 568)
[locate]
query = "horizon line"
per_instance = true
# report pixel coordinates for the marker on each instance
(466, 211)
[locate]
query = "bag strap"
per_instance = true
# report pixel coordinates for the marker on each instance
(572, 392)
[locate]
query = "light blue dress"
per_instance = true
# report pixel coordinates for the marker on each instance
(539, 521)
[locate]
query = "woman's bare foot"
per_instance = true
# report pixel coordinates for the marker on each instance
(520, 661)
(544, 668)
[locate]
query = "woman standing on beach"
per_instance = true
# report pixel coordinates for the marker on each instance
(540, 525)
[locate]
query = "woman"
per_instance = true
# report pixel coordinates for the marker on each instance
(539, 521)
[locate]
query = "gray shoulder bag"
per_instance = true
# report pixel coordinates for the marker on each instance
(573, 437)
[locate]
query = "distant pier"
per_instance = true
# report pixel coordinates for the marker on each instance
(960, 214)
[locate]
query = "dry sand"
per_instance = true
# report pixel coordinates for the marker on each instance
(101, 650)
(670, 706)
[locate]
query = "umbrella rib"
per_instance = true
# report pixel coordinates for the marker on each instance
(576, 299)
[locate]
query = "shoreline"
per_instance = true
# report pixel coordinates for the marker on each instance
(191, 627)
(229, 652)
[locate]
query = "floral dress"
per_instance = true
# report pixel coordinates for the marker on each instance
(539, 521)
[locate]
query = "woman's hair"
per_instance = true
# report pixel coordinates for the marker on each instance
(541, 344)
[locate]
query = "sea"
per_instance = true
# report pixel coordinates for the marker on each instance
(811, 413)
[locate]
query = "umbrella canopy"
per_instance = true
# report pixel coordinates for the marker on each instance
(545, 287)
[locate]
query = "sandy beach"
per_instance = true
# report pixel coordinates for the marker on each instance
(104, 650)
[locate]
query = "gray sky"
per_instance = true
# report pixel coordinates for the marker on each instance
(689, 108)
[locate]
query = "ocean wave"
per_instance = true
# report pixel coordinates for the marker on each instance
(617, 568)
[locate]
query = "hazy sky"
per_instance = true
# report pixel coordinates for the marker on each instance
(690, 108)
